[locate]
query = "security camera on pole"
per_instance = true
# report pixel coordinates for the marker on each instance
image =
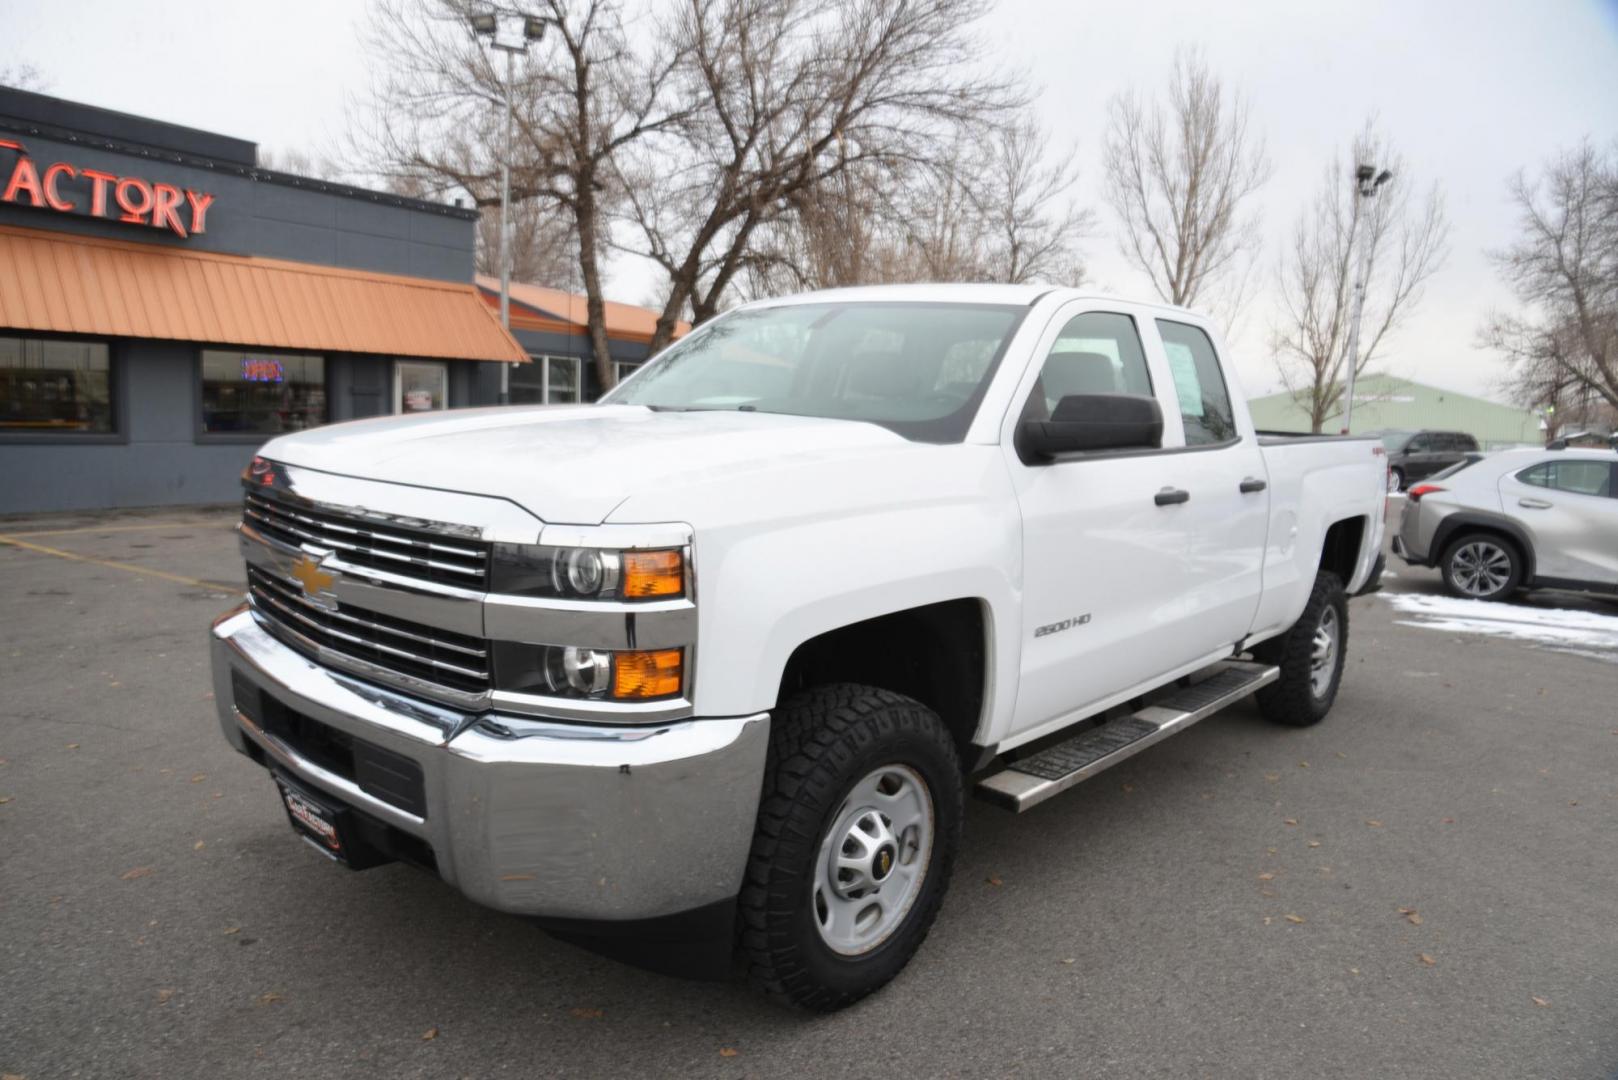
(510, 32)
(1366, 183)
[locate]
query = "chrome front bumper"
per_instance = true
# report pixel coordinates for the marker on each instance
(535, 817)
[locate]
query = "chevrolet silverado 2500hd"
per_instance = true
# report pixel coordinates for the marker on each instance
(711, 664)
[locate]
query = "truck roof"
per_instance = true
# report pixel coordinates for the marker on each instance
(956, 293)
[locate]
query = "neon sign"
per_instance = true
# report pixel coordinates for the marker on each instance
(262, 369)
(182, 211)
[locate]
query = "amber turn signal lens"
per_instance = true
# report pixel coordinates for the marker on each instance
(653, 574)
(653, 674)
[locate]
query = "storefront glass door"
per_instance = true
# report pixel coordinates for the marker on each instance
(420, 386)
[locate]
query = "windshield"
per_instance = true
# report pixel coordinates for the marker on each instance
(918, 369)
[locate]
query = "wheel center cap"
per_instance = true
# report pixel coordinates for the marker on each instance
(882, 862)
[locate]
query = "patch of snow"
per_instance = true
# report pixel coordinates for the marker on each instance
(1583, 633)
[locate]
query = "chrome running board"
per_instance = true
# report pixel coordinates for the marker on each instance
(1056, 768)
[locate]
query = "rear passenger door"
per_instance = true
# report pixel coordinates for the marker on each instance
(1222, 469)
(1568, 507)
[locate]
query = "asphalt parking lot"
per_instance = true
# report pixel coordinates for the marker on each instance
(1421, 886)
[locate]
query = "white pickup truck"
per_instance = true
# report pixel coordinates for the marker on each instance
(711, 664)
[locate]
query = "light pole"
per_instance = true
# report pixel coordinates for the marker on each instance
(1366, 183)
(510, 32)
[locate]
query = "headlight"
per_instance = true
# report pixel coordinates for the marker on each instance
(577, 573)
(599, 674)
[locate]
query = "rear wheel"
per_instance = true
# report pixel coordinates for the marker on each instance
(1396, 479)
(1310, 656)
(857, 831)
(1481, 566)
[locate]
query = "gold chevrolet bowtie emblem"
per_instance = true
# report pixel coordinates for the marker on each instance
(313, 579)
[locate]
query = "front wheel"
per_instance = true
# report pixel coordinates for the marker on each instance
(1310, 656)
(1396, 480)
(857, 831)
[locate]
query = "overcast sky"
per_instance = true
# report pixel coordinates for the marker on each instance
(1470, 90)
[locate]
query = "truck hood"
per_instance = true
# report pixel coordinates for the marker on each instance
(575, 464)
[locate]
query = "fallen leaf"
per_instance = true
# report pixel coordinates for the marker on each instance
(199, 778)
(219, 794)
(4, 799)
(1373, 823)
(1270, 850)
(232, 930)
(579, 1013)
(1295, 919)
(1069, 960)
(728, 1051)
(1314, 843)
(1303, 764)
(1425, 959)
(1573, 802)
(72, 746)
(1289, 821)
(198, 846)
(1266, 892)
(139, 871)
(430, 1034)
(1268, 920)
(1266, 877)
(1272, 776)
(1541, 1002)
(268, 998)
(1128, 788)
(994, 879)
(163, 996)
(1353, 971)
(1415, 918)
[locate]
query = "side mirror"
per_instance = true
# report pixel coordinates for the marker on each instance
(1096, 422)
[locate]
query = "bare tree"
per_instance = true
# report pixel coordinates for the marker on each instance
(24, 77)
(301, 163)
(543, 248)
(994, 211)
(1564, 269)
(786, 96)
(581, 96)
(1404, 240)
(1178, 172)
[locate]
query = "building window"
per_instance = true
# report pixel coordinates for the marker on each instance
(420, 386)
(49, 386)
(623, 369)
(548, 380)
(255, 393)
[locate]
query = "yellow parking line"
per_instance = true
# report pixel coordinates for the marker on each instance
(121, 528)
(116, 565)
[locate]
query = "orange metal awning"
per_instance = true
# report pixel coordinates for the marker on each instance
(62, 283)
(536, 307)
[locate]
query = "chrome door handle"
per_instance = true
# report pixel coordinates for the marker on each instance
(1170, 496)
(1252, 484)
(1534, 504)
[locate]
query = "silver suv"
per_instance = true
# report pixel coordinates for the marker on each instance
(1538, 519)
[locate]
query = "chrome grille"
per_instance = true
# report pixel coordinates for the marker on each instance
(409, 552)
(426, 653)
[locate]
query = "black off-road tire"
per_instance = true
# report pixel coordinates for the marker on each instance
(1293, 699)
(822, 742)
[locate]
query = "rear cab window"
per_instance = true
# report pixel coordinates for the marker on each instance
(1199, 384)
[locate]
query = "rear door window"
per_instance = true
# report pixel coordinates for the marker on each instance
(1576, 477)
(1198, 383)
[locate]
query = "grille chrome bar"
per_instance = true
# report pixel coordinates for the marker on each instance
(420, 652)
(412, 552)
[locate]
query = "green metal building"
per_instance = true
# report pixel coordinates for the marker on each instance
(1384, 402)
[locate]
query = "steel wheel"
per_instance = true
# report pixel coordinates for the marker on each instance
(1323, 653)
(1480, 568)
(873, 860)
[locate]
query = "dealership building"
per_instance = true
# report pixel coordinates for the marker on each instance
(166, 306)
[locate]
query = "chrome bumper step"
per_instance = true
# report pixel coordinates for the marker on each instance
(1053, 770)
